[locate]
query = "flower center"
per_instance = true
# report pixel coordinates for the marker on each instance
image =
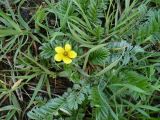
(65, 53)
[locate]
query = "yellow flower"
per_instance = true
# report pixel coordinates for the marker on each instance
(65, 54)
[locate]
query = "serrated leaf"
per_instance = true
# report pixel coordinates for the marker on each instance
(99, 56)
(75, 99)
(47, 51)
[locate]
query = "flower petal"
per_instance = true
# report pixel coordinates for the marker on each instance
(68, 47)
(72, 54)
(59, 50)
(58, 57)
(67, 60)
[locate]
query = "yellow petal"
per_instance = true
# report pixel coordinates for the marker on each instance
(58, 57)
(59, 50)
(68, 47)
(67, 60)
(72, 54)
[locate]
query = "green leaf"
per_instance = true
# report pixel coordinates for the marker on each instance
(156, 1)
(37, 89)
(99, 56)
(148, 107)
(9, 107)
(131, 87)
(106, 69)
(47, 51)
(150, 29)
(12, 23)
(51, 108)
(101, 110)
(9, 32)
(75, 99)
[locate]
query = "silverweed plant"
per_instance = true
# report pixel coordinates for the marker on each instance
(66, 54)
(79, 59)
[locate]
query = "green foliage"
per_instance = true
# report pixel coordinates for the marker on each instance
(51, 108)
(77, 115)
(99, 56)
(115, 75)
(129, 54)
(150, 28)
(156, 1)
(95, 10)
(65, 104)
(47, 50)
(100, 109)
(136, 83)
